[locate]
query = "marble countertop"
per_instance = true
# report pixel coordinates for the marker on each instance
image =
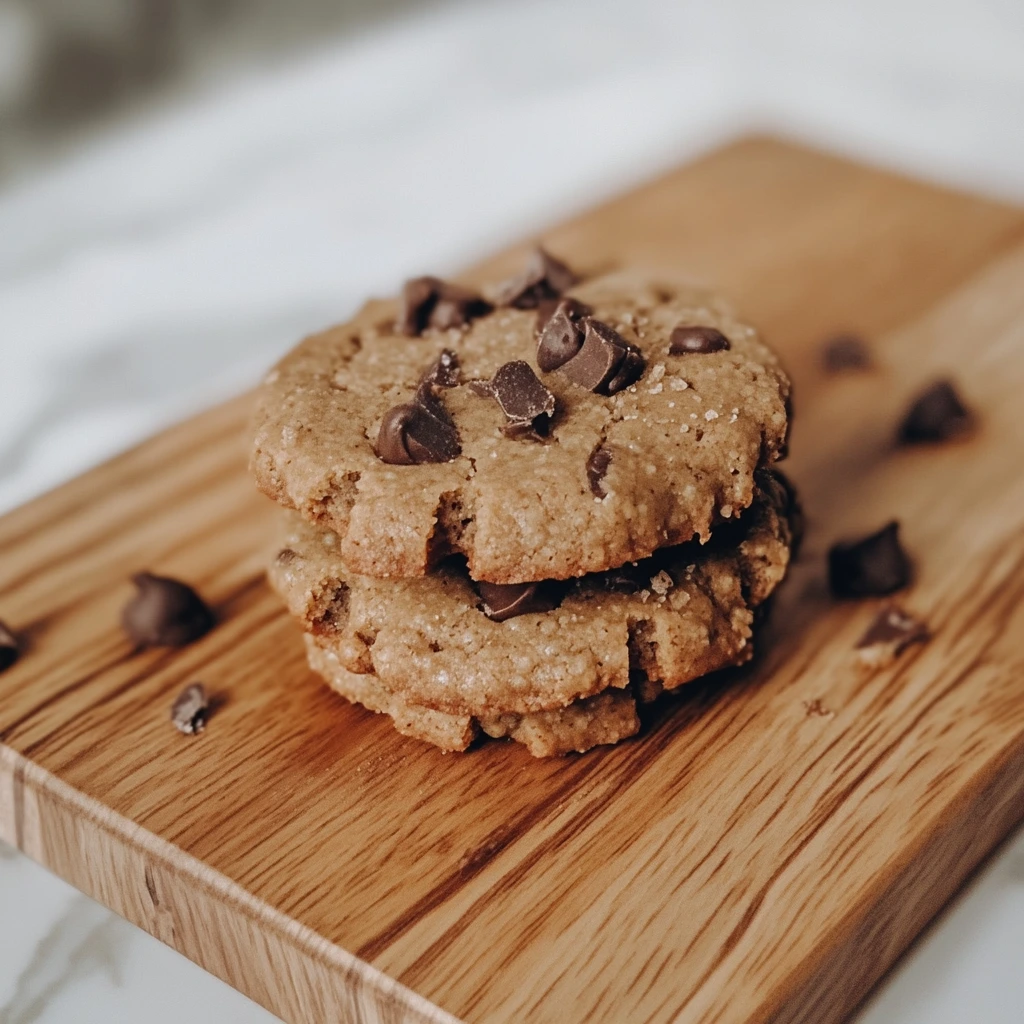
(161, 265)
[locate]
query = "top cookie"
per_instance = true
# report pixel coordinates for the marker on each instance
(634, 420)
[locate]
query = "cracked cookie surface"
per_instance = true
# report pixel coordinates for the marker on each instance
(686, 611)
(680, 446)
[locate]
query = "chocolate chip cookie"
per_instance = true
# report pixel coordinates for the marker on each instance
(606, 718)
(549, 430)
(460, 647)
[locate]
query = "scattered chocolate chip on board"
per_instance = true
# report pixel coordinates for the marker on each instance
(889, 635)
(9, 647)
(846, 353)
(870, 566)
(190, 710)
(165, 613)
(937, 414)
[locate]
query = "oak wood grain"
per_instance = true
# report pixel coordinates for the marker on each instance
(752, 856)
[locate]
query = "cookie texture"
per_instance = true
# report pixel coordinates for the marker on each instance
(679, 446)
(606, 718)
(686, 611)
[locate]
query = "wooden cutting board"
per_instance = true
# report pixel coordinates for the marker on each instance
(767, 847)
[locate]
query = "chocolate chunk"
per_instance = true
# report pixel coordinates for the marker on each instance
(870, 567)
(527, 404)
(542, 278)
(431, 302)
(693, 338)
(190, 709)
(444, 371)
(575, 309)
(845, 353)
(892, 632)
(9, 648)
(417, 432)
(606, 363)
(165, 613)
(561, 335)
(597, 466)
(503, 601)
(937, 414)
(418, 297)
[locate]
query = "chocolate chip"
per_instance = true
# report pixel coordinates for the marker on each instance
(845, 353)
(444, 371)
(597, 466)
(9, 648)
(165, 613)
(606, 363)
(527, 404)
(937, 414)
(414, 433)
(693, 338)
(431, 302)
(190, 709)
(503, 601)
(892, 632)
(870, 567)
(542, 278)
(626, 579)
(561, 335)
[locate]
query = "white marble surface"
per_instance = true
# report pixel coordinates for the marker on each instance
(162, 265)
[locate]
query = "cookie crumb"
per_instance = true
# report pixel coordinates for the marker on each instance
(662, 583)
(678, 384)
(815, 709)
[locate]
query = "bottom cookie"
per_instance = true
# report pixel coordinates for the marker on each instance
(590, 722)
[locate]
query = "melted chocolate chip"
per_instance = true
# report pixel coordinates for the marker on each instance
(937, 414)
(694, 338)
(421, 430)
(845, 353)
(626, 579)
(417, 432)
(444, 371)
(606, 362)
(527, 404)
(892, 632)
(503, 601)
(597, 467)
(870, 567)
(542, 278)
(190, 710)
(9, 648)
(165, 613)
(561, 335)
(431, 302)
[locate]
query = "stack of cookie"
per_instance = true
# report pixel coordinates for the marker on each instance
(521, 514)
